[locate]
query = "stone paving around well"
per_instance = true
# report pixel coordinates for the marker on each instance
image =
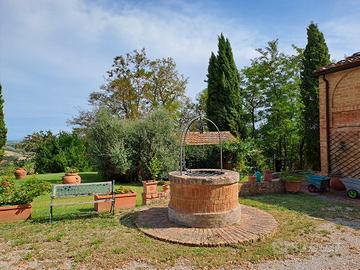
(254, 225)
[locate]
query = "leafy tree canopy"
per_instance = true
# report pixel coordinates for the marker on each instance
(135, 86)
(224, 101)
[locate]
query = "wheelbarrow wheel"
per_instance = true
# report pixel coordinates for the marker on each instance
(312, 188)
(353, 194)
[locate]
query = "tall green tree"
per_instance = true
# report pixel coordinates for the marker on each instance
(316, 55)
(224, 105)
(3, 130)
(136, 85)
(254, 83)
(280, 83)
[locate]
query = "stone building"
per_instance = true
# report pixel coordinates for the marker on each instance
(339, 93)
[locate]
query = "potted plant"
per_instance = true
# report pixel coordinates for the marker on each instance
(154, 167)
(293, 183)
(15, 201)
(71, 176)
(125, 198)
(20, 173)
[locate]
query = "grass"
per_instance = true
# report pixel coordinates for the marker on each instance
(43, 201)
(104, 241)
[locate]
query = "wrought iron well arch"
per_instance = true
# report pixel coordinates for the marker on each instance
(183, 137)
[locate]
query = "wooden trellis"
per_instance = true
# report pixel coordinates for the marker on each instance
(345, 153)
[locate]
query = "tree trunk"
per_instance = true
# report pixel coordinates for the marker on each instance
(253, 122)
(301, 154)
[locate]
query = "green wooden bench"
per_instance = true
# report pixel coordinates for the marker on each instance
(85, 189)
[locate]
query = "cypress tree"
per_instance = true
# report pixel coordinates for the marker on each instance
(3, 129)
(316, 55)
(213, 111)
(224, 101)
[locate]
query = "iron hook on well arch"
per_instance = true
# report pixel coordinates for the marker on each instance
(183, 137)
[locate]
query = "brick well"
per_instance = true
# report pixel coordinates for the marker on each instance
(204, 201)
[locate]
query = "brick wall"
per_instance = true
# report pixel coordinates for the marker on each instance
(150, 193)
(203, 198)
(264, 187)
(344, 119)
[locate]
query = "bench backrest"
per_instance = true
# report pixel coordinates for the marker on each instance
(66, 190)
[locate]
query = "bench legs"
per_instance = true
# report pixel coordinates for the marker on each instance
(51, 213)
(113, 197)
(51, 209)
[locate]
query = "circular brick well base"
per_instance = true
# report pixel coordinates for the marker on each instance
(255, 224)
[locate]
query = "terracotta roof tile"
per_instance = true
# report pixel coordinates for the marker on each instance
(348, 62)
(197, 138)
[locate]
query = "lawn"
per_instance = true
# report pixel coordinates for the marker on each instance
(85, 240)
(41, 204)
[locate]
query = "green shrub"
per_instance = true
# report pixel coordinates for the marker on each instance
(7, 169)
(61, 151)
(130, 150)
(202, 156)
(291, 176)
(71, 170)
(246, 155)
(10, 194)
(154, 137)
(123, 190)
(32, 142)
(250, 157)
(27, 164)
(154, 168)
(109, 144)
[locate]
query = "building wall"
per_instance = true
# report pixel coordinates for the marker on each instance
(344, 122)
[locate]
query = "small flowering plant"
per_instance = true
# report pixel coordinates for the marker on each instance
(10, 194)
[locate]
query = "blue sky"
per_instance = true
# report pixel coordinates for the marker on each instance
(54, 53)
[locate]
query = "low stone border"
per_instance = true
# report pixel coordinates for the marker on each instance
(254, 225)
(263, 187)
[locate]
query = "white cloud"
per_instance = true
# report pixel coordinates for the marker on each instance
(343, 35)
(54, 53)
(70, 36)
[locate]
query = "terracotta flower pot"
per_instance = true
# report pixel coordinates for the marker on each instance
(71, 178)
(122, 201)
(20, 173)
(252, 179)
(150, 186)
(268, 175)
(335, 183)
(293, 186)
(15, 212)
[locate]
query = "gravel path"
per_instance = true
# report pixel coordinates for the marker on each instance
(340, 251)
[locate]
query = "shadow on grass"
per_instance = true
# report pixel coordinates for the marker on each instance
(314, 206)
(128, 220)
(79, 214)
